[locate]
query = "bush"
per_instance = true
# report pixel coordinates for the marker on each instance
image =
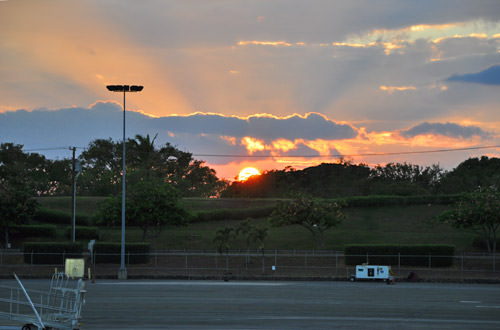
(135, 253)
(25, 231)
(83, 233)
(409, 255)
(50, 253)
(44, 215)
(232, 214)
(387, 200)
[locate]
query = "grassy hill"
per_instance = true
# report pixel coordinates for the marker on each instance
(402, 224)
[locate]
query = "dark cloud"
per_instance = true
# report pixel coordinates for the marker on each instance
(311, 127)
(490, 76)
(197, 133)
(447, 129)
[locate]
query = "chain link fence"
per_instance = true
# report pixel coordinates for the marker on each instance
(265, 264)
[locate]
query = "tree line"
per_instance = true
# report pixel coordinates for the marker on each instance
(158, 177)
(347, 179)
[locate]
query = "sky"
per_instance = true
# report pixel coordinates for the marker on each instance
(262, 83)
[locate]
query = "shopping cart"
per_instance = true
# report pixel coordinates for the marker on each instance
(59, 308)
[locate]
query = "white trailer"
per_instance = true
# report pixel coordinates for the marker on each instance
(373, 272)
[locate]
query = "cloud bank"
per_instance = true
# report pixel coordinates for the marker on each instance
(223, 140)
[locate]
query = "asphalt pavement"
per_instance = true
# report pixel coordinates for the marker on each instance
(155, 304)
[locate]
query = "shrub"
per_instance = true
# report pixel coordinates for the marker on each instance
(404, 255)
(135, 253)
(83, 233)
(50, 253)
(387, 200)
(232, 214)
(44, 215)
(25, 231)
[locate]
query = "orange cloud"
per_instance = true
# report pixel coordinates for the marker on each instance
(253, 144)
(265, 43)
(392, 89)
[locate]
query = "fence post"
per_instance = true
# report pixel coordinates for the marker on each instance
(336, 262)
(462, 263)
(275, 257)
(305, 260)
(399, 263)
(494, 262)
(430, 261)
(367, 259)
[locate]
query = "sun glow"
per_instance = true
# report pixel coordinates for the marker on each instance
(247, 172)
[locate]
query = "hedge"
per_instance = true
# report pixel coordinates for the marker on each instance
(387, 200)
(232, 214)
(83, 233)
(44, 215)
(135, 253)
(441, 255)
(24, 231)
(50, 253)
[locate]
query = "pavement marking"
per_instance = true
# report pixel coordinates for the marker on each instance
(487, 306)
(470, 301)
(199, 283)
(376, 319)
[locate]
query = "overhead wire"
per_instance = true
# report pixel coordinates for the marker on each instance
(350, 155)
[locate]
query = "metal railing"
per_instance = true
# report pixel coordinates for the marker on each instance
(255, 263)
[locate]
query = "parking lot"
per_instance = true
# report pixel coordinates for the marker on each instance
(172, 304)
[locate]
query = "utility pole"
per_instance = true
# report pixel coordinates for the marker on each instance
(76, 168)
(73, 199)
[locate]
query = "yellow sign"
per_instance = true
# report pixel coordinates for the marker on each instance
(75, 267)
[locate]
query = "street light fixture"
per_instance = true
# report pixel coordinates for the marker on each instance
(122, 273)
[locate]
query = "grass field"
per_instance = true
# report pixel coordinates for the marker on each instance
(413, 224)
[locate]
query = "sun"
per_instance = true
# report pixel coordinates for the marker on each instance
(247, 172)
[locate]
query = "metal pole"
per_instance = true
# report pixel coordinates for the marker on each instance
(73, 174)
(123, 272)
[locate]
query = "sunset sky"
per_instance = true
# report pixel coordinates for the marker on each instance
(262, 83)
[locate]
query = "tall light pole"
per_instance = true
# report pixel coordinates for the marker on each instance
(122, 273)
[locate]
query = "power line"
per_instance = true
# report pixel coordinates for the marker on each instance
(52, 148)
(350, 155)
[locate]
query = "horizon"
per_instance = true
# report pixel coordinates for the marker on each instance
(272, 84)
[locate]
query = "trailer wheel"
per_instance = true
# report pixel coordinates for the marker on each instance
(353, 278)
(27, 327)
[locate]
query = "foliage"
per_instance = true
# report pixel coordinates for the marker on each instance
(479, 210)
(18, 184)
(342, 179)
(102, 163)
(24, 231)
(232, 214)
(315, 216)
(249, 232)
(222, 238)
(472, 174)
(45, 215)
(51, 252)
(149, 205)
(82, 233)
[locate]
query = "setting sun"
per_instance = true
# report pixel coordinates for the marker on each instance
(247, 172)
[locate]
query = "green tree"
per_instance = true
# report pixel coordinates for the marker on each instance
(472, 174)
(223, 238)
(150, 205)
(479, 210)
(103, 165)
(315, 216)
(21, 177)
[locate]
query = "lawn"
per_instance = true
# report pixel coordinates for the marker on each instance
(409, 224)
